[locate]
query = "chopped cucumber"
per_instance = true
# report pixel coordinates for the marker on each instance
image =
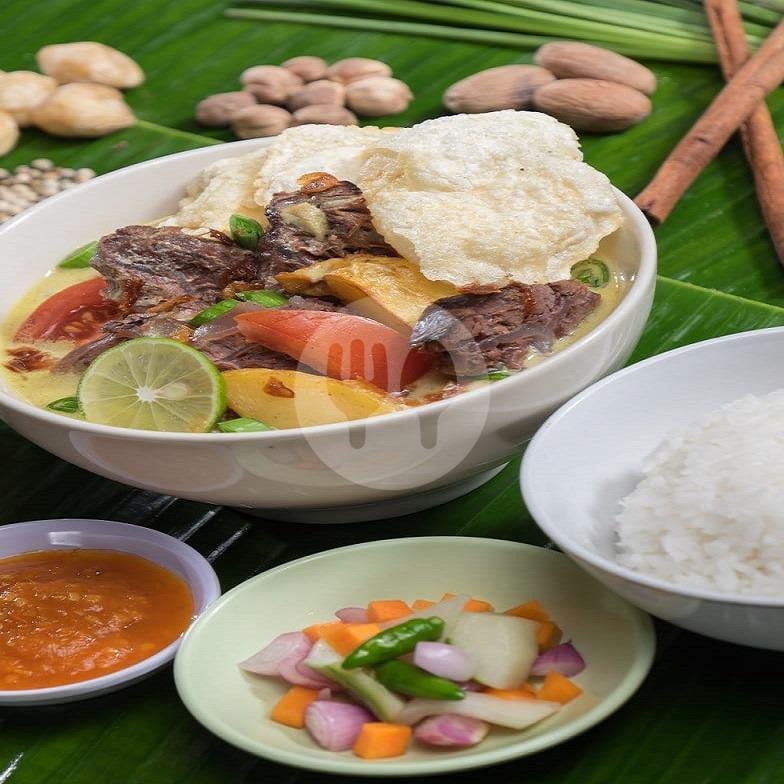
(593, 272)
(503, 646)
(377, 698)
(79, 258)
(213, 312)
(515, 714)
(242, 425)
(269, 299)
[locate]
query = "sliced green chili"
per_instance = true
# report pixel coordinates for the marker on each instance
(593, 272)
(242, 425)
(79, 258)
(394, 642)
(269, 299)
(495, 375)
(212, 312)
(245, 231)
(404, 678)
(65, 405)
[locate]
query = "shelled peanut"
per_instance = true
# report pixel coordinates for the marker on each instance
(305, 90)
(590, 88)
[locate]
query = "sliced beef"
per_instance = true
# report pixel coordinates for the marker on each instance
(325, 219)
(166, 270)
(137, 325)
(472, 333)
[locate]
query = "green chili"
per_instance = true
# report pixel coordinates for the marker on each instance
(245, 231)
(65, 405)
(495, 375)
(242, 425)
(212, 312)
(394, 642)
(269, 299)
(593, 272)
(404, 678)
(79, 258)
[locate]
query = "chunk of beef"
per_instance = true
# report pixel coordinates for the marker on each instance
(136, 325)
(325, 219)
(472, 333)
(166, 270)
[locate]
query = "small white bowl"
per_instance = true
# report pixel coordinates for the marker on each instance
(380, 467)
(589, 455)
(616, 640)
(153, 545)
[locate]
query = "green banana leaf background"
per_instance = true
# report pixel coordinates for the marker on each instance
(710, 713)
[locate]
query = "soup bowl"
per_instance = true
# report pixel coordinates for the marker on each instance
(361, 470)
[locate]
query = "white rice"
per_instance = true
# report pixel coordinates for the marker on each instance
(709, 513)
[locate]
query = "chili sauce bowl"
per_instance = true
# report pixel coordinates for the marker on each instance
(600, 440)
(163, 550)
(616, 640)
(362, 470)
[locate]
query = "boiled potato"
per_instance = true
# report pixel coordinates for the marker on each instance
(290, 398)
(387, 289)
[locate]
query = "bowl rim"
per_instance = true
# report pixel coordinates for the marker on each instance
(531, 495)
(623, 691)
(635, 296)
(112, 680)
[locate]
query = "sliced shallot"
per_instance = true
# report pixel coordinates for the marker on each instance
(353, 615)
(335, 725)
(563, 659)
(285, 646)
(446, 661)
(451, 730)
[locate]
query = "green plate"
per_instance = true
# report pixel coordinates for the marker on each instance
(616, 640)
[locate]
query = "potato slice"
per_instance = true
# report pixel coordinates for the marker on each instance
(388, 289)
(290, 398)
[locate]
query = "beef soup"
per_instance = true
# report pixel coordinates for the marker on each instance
(313, 321)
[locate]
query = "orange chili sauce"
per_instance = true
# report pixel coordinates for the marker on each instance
(72, 615)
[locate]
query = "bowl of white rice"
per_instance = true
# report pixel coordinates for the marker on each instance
(666, 482)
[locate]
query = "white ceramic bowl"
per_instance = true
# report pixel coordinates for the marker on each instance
(374, 468)
(616, 640)
(164, 550)
(589, 455)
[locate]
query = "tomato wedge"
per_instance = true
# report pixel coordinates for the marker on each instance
(75, 313)
(339, 345)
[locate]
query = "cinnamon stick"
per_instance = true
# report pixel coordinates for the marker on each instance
(729, 109)
(758, 134)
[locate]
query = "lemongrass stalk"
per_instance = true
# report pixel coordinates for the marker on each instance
(752, 12)
(773, 5)
(536, 22)
(600, 13)
(676, 50)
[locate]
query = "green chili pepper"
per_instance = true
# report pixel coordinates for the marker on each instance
(245, 231)
(79, 258)
(592, 272)
(212, 312)
(242, 425)
(65, 405)
(495, 375)
(269, 299)
(407, 679)
(394, 642)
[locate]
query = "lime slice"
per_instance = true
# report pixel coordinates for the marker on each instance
(153, 384)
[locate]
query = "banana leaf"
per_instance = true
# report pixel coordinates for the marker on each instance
(690, 722)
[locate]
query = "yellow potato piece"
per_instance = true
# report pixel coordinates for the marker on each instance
(388, 289)
(290, 398)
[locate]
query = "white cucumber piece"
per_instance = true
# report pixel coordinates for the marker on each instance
(504, 647)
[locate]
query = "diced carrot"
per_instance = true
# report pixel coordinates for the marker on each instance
(548, 635)
(316, 630)
(387, 610)
(421, 604)
(344, 637)
(558, 688)
(377, 740)
(290, 708)
(531, 610)
(523, 693)
(472, 605)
